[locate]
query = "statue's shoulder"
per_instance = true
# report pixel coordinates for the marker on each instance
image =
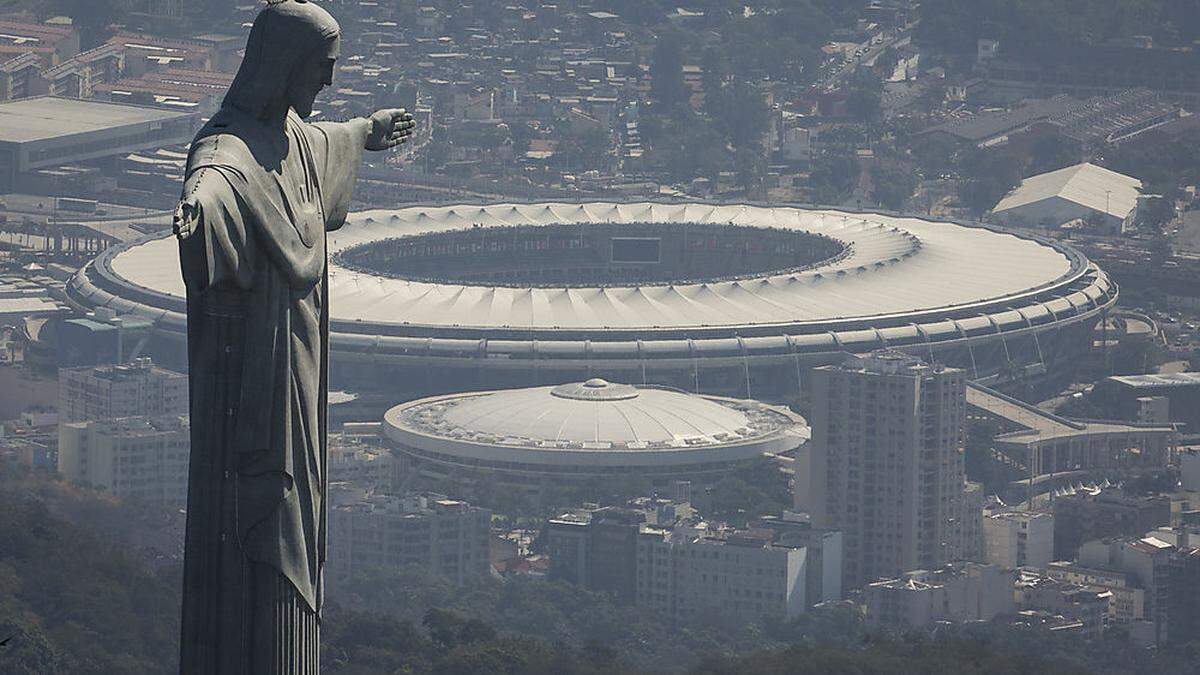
(228, 139)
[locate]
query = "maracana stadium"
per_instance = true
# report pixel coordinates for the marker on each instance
(722, 299)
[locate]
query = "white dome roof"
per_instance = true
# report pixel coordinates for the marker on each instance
(591, 428)
(597, 411)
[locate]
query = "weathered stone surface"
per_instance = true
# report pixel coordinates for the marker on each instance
(261, 189)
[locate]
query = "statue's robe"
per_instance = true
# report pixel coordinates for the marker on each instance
(255, 268)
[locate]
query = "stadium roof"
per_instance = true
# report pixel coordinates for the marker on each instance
(594, 421)
(1038, 426)
(598, 412)
(1088, 185)
(44, 117)
(894, 266)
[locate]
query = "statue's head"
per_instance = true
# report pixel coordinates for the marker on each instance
(290, 58)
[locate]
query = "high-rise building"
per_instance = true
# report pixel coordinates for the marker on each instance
(429, 531)
(132, 390)
(137, 458)
(885, 465)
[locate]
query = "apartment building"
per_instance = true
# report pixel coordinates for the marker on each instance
(129, 390)
(740, 576)
(442, 536)
(885, 465)
(142, 459)
(1018, 538)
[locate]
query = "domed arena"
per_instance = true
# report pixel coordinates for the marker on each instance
(587, 430)
(731, 299)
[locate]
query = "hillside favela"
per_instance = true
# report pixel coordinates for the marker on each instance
(599, 336)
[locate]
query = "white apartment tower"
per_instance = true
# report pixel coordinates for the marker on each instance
(429, 531)
(885, 465)
(127, 390)
(143, 459)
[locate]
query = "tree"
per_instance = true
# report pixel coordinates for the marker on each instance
(833, 177)
(1136, 357)
(864, 105)
(444, 626)
(989, 176)
(687, 146)
(935, 155)
(1154, 214)
(892, 186)
(750, 168)
(586, 150)
(739, 112)
(522, 136)
(716, 69)
(1053, 152)
(505, 655)
(666, 71)
(755, 490)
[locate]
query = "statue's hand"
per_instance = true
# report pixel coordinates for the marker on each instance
(389, 128)
(187, 215)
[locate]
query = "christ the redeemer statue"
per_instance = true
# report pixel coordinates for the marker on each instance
(262, 188)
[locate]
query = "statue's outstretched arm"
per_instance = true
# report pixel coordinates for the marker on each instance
(381, 131)
(389, 128)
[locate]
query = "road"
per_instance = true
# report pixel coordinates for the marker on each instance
(835, 79)
(1188, 237)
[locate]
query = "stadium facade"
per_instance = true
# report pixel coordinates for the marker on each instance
(713, 298)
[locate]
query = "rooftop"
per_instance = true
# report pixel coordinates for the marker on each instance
(127, 371)
(413, 505)
(1037, 425)
(28, 306)
(652, 428)
(45, 117)
(1085, 184)
(593, 415)
(989, 125)
(892, 362)
(1159, 380)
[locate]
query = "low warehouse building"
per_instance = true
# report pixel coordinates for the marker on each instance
(1082, 192)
